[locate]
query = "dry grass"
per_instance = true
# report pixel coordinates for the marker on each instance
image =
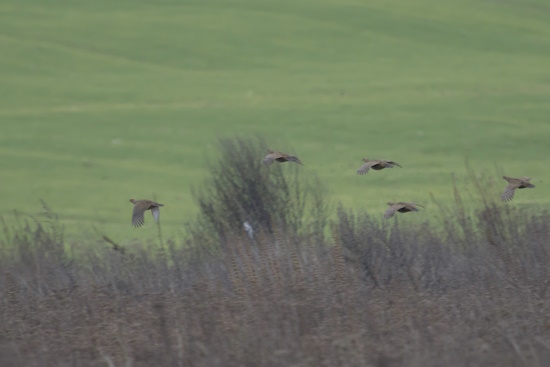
(472, 291)
(380, 295)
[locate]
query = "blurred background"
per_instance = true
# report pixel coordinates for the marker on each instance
(105, 101)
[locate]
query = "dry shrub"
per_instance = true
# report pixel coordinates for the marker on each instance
(241, 188)
(377, 293)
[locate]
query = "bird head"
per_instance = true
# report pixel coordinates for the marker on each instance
(132, 201)
(365, 159)
(390, 204)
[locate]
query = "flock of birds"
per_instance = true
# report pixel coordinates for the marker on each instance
(141, 206)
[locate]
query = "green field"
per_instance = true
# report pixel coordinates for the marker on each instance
(102, 101)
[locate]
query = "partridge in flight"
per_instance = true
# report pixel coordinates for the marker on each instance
(513, 184)
(401, 207)
(375, 164)
(273, 156)
(140, 207)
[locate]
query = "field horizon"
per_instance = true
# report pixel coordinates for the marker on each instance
(103, 102)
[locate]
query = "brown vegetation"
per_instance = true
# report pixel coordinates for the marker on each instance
(473, 290)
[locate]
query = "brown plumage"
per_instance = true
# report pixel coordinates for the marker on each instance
(401, 207)
(513, 184)
(140, 207)
(273, 156)
(375, 164)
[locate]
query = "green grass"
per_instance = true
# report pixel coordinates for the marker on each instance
(103, 101)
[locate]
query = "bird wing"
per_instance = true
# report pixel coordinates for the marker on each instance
(366, 167)
(412, 206)
(295, 159)
(391, 210)
(137, 215)
(509, 191)
(156, 213)
(392, 163)
(525, 183)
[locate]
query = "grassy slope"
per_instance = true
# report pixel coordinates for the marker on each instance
(102, 101)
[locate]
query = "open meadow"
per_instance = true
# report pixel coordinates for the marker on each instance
(104, 101)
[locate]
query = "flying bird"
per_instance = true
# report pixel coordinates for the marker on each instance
(140, 207)
(375, 164)
(401, 207)
(273, 156)
(513, 184)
